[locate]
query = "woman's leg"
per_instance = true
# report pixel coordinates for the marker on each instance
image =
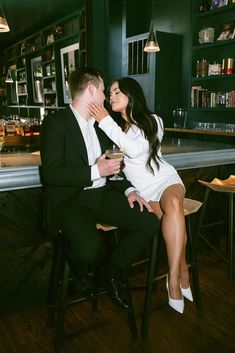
(173, 229)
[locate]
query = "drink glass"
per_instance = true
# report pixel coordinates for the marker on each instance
(2, 142)
(112, 154)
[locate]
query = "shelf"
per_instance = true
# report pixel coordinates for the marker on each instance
(49, 77)
(213, 77)
(214, 44)
(218, 109)
(217, 11)
(46, 46)
(195, 131)
(212, 95)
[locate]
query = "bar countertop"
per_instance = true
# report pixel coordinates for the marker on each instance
(22, 170)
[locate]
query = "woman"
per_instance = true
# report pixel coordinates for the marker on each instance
(157, 181)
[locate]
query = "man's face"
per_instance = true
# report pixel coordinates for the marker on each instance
(99, 95)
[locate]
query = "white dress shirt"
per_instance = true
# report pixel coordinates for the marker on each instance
(92, 147)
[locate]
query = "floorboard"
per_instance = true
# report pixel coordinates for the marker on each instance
(107, 330)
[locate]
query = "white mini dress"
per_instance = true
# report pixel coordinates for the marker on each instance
(150, 186)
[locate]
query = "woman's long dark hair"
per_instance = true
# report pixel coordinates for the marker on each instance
(138, 114)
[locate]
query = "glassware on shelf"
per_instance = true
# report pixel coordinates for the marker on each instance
(2, 140)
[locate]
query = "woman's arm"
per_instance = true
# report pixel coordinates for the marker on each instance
(134, 145)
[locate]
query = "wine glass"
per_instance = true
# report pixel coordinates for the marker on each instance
(112, 154)
(2, 142)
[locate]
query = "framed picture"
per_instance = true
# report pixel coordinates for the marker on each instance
(69, 62)
(13, 95)
(227, 31)
(36, 69)
(50, 38)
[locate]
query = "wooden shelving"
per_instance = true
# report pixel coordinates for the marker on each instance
(39, 76)
(212, 94)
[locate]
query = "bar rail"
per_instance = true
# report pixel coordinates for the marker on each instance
(22, 170)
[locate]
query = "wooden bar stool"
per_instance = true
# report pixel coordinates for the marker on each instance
(226, 187)
(58, 289)
(190, 207)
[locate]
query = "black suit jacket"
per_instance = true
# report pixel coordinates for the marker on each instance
(65, 168)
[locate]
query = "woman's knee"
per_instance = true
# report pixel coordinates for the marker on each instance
(173, 203)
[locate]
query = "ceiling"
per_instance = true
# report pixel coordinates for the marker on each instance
(25, 17)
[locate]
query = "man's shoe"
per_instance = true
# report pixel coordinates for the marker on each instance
(117, 292)
(84, 285)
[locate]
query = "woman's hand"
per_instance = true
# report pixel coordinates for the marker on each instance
(97, 111)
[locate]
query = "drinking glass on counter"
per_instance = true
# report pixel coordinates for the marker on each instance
(214, 126)
(2, 140)
(180, 118)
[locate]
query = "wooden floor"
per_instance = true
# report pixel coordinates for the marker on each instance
(107, 331)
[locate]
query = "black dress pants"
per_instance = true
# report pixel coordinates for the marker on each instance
(77, 218)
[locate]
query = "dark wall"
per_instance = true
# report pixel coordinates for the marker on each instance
(175, 17)
(132, 17)
(116, 14)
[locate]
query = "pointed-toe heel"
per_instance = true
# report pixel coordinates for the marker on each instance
(176, 304)
(187, 293)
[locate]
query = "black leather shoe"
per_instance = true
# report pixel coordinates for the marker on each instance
(117, 292)
(84, 285)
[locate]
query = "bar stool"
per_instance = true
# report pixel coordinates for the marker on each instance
(58, 289)
(226, 187)
(190, 207)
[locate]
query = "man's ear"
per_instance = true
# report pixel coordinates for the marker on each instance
(91, 89)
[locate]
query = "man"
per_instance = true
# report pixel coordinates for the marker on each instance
(79, 193)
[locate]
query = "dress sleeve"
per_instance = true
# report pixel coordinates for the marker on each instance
(134, 141)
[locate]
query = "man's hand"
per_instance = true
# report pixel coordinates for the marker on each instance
(97, 111)
(134, 197)
(108, 166)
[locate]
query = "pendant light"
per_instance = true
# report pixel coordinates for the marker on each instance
(3, 22)
(9, 78)
(152, 45)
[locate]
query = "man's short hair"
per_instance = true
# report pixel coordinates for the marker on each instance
(81, 78)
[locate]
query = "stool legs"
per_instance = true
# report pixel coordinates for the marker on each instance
(59, 336)
(149, 288)
(229, 258)
(54, 279)
(130, 311)
(193, 264)
(58, 289)
(230, 234)
(152, 274)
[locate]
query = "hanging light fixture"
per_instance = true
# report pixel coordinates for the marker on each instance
(152, 45)
(9, 78)
(3, 22)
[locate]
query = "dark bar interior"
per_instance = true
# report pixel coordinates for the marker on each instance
(190, 84)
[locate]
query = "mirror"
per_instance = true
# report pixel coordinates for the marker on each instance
(69, 62)
(37, 83)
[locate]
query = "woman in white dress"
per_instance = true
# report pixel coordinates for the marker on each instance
(140, 132)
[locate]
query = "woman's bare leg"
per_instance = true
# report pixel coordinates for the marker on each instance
(173, 230)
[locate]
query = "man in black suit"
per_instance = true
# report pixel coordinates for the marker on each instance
(79, 192)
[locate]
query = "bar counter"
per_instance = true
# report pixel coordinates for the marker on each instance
(22, 170)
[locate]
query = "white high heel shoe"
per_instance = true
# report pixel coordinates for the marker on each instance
(187, 293)
(176, 304)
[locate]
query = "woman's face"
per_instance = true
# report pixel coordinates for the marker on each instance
(117, 99)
